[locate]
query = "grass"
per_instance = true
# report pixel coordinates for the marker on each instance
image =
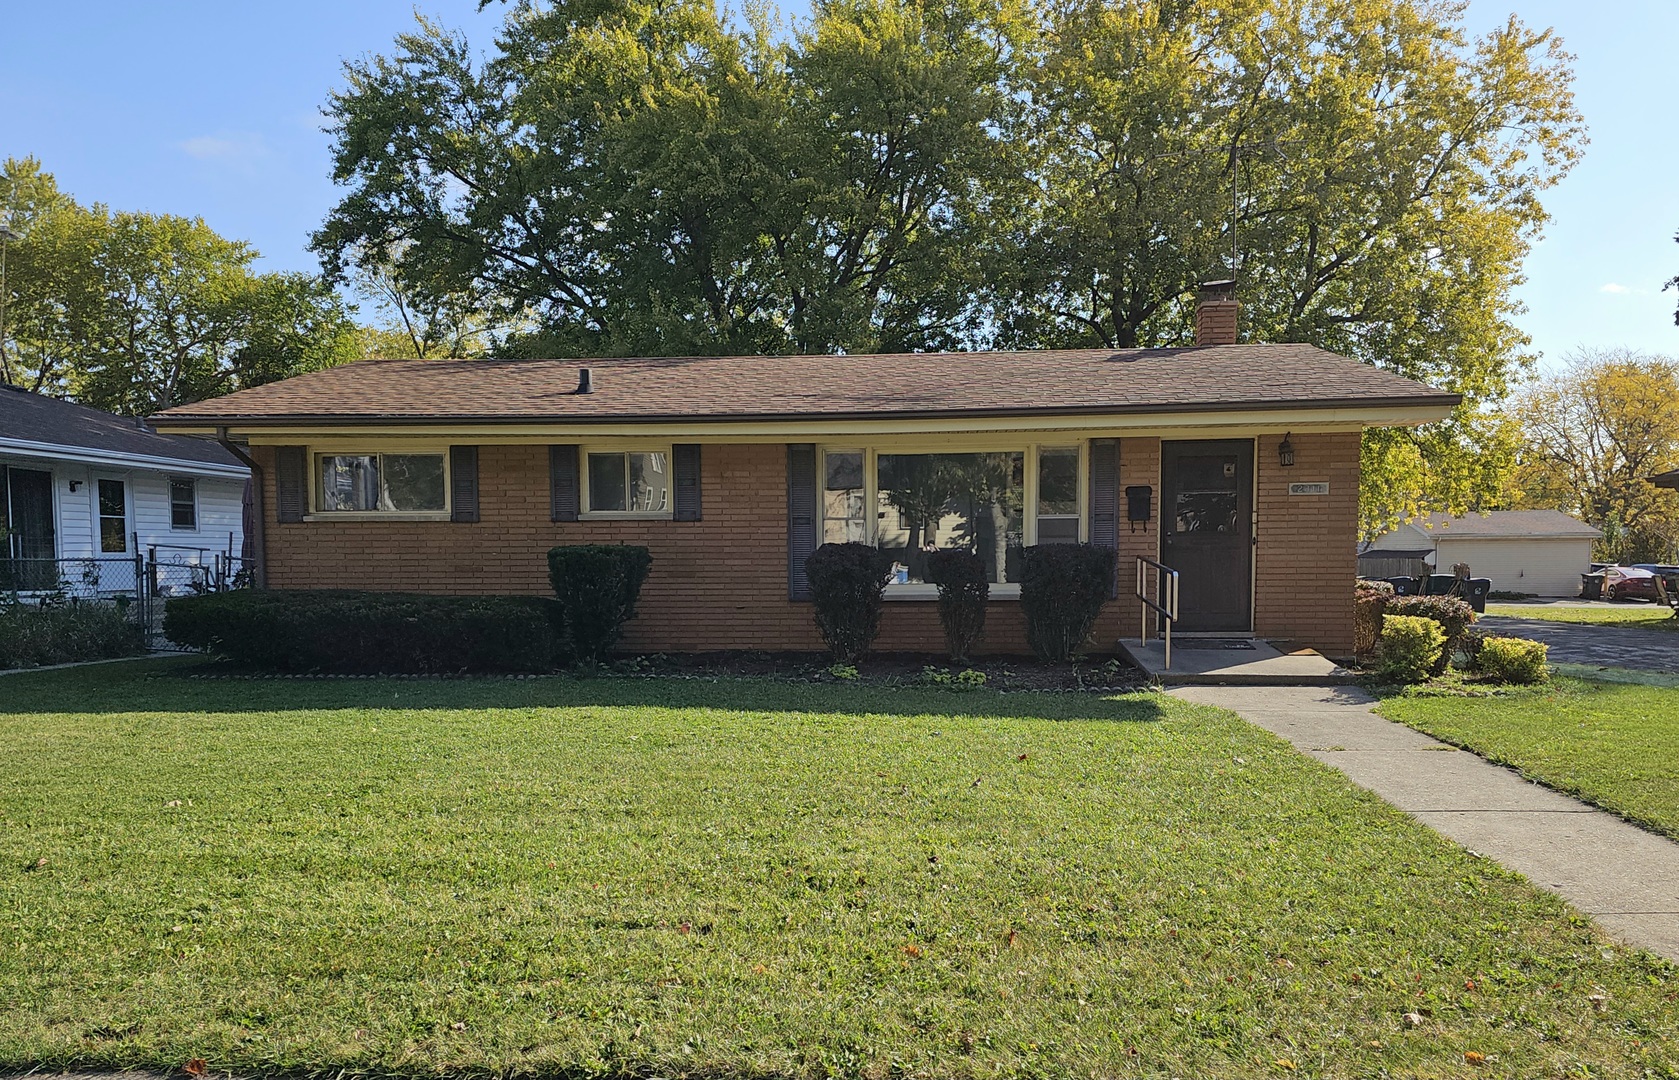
(1613, 744)
(752, 879)
(1647, 616)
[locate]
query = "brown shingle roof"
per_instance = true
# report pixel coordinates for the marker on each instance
(805, 387)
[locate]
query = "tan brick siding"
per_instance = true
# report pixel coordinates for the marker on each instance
(1306, 558)
(721, 583)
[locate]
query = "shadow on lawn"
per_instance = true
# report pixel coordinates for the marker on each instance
(170, 686)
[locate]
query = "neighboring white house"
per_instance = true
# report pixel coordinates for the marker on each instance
(80, 484)
(1542, 552)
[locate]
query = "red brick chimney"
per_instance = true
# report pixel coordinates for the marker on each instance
(1215, 313)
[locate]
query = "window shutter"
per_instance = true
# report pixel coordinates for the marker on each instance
(1104, 497)
(290, 501)
(463, 483)
(801, 516)
(685, 466)
(562, 482)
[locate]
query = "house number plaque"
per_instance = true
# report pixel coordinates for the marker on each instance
(1308, 489)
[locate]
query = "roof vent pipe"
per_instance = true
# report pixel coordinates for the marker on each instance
(585, 385)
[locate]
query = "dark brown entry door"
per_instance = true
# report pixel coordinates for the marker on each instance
(1207, 531)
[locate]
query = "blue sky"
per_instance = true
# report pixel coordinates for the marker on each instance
(212, 109)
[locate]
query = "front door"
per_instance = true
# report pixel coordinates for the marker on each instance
(1207, 532)
(26, 502)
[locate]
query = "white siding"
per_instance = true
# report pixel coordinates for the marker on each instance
(76, 532)
(1541, 567)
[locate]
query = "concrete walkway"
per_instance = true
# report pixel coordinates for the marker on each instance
(1623, 877)
(1602, 645)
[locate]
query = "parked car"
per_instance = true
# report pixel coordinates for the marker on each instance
(1628, 583)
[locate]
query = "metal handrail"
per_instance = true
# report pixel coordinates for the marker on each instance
(1166, 587)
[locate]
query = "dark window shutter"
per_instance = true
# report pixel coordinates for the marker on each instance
(685, 467)
(562, 482)
(1104, 496)
(801, 516)
(463, 483)
(291, 501)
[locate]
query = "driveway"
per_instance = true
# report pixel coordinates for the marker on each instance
(1597, 646)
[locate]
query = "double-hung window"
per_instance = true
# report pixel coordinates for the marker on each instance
(381, 483)
(183, 503)
(629, 482)
(991, 502)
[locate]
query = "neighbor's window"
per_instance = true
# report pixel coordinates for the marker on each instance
(843, 498)
(931, 501)
(113, 516)
(636, 482)
(393, 483)
(183, 503)
(1058, 495)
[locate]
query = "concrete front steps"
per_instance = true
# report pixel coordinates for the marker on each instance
(1232, 660)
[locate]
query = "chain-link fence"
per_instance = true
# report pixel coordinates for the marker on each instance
(139, 585)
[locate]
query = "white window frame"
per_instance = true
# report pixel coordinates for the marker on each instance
(1029, 513)
(313, 478)
(583, 511)
(169, 491)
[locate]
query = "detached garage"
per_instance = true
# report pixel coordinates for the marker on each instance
(1542, 552)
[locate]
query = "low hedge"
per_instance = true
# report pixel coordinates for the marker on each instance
(1452, 613)
(369, 633)
(33, 636)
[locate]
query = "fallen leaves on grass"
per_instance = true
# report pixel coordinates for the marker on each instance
(1474, 1057)
(195, 1067)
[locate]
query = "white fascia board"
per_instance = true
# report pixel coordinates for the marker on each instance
(84, 455)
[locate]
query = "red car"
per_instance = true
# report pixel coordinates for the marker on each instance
(1628, 583)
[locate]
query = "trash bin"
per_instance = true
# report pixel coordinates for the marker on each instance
(1476, 593)
(1439, 584)
(1403, 586)
(1591, 586)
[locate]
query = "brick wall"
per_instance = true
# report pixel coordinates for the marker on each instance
(721, 583)
(1306, 559)
(718, 583)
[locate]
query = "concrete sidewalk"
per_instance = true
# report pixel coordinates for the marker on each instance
(1625, 878)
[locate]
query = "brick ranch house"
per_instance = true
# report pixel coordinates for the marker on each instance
(1237, 465)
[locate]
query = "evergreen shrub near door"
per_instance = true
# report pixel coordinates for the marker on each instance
(848, 585)
(1062, 590)
(1411, 646)
(597, 586)
(964, 590)
(1454, 615)
(368, 633)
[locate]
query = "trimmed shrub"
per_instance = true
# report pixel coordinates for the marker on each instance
(1514, 660)
(848, 584)
(1369, 600)
(1469, 647)
(1411, 646)
(964, 590)
(33, 636)
(597, 586)
(1452, 613)
(366, 633)
(1062, 590)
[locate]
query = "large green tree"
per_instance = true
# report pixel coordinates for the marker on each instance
(631, 176)
(135, 312)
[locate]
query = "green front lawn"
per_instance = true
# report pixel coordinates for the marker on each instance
(1616, 745)
(734, 878)
(1648, 616)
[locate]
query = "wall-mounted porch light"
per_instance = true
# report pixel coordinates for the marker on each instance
(1285, 452)
(75, 486)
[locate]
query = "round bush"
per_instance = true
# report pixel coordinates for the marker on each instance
(1411, 646)
(1062, 590)
(1452, 613)
(964, 591)
(597, 586)
(1514, 660)
(848, 585)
